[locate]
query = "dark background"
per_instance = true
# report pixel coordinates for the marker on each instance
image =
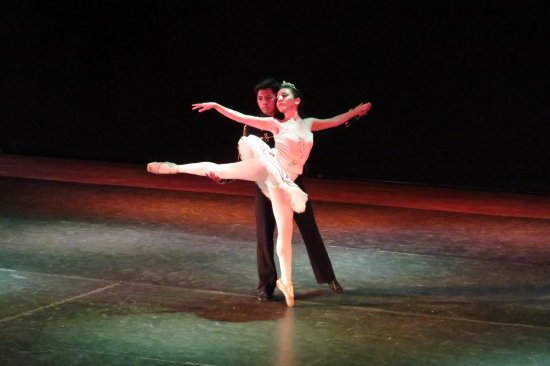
(458, 88)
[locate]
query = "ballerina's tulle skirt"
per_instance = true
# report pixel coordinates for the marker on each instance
(252, 147)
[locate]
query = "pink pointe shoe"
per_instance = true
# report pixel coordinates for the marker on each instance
(162, 168)
(287, 291)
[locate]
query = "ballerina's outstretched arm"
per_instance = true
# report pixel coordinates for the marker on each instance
(263, 123)
(317, 124)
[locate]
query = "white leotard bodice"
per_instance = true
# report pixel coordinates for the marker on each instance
(293, 144)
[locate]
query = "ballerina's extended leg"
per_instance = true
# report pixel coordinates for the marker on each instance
(250, 169)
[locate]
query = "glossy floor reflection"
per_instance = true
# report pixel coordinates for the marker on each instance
(102, 275)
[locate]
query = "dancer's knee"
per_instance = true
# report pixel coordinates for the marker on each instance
(221, 170)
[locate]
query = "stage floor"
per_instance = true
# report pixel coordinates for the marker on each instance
(104, 264)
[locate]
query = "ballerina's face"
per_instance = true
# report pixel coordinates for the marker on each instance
(286, 101)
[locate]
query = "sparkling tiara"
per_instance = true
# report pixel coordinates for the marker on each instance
(286, 84)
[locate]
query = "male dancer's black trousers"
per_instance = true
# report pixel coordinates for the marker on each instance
(265, 228)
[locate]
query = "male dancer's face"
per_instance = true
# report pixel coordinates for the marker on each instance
(266, 101)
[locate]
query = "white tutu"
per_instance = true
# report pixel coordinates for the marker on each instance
(252, 147)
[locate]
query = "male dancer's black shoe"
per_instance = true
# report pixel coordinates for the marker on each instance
(335, 287)
(263, 296)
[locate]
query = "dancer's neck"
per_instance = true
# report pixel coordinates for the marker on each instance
(293, 115)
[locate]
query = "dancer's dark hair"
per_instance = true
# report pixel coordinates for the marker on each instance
(269, 83)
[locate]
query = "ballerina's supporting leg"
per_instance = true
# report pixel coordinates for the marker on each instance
(284, 218)
(250, 169)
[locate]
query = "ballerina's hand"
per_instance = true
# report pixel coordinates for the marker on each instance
(203, 106)
(362, 109)
(162, 168)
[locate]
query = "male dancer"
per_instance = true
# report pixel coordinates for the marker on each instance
(266, 91)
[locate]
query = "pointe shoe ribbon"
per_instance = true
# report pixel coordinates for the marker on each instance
(288, 292)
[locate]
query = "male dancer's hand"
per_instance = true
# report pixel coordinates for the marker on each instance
(214, 177)
(217, 179)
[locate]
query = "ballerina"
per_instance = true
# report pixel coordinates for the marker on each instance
(273, 169)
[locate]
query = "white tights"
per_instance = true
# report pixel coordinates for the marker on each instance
(250, 169)
(254, 170)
